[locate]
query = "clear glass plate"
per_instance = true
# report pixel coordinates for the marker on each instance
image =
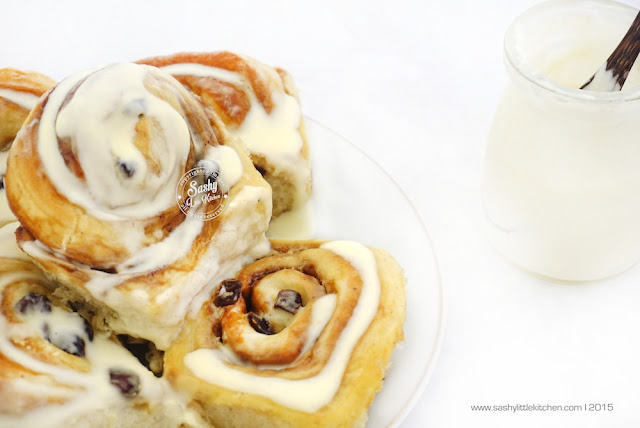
(353, 198)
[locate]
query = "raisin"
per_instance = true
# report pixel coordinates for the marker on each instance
(127, 383)
(229, 292)
(77, 347)
(106, 270)
(33, 301)
(259, 324)
(88, 329)
(127, 168)
(288, 300)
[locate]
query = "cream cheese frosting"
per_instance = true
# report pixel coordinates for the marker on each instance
(83, 391)
(274, 135)
(309, 394)
(28, 101)
(100, 124)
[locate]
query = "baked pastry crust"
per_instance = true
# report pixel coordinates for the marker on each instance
(259, 104)
(295, 392)
(55, 372)
(92, 177)
(19, 93)
(257, 333)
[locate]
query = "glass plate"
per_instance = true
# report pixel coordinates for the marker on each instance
(354, 199)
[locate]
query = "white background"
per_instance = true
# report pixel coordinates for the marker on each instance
(415, 85)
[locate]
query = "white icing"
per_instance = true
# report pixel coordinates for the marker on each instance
(274, 135)
(259, 249)
(224, 155)
(6, 215)
(164, 252)
(9, 247)
(62, 327)
(90, 391)
(262, 132)
(97, 393)
(104, 132)
(560, 169)
(237, 242)
(28, 101)
(312, 393)
(275, 132)
(295, 224)
(102, 135)
(603, 81)
(201, 70)
(23, 99)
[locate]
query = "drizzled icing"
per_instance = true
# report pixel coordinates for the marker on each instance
(129, 184)
(5, 212)
(23, 99)
(83, 392)
(9, 249)
(66, 330)
(102, 134)
(235, 236)
(28, 101)
(309, 394)
(265, 133)
(274, 134)
(223, 155)
(103, 355)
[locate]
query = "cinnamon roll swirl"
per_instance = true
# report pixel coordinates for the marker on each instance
(19, 93)
(259, 104)
(95, 178)
(56, 371)
(299, 338)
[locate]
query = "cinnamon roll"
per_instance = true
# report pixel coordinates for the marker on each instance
(19, 93)
(56, 371)
(259, 104)
(299, 338)
(132, 195)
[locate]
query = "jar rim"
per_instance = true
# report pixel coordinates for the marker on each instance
(516, 59)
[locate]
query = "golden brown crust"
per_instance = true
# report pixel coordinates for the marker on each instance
(366, 367)
(229, 101)
(25, 81)
(12, 115)
(232, 102)
(27, 278)
(54, 371)
(75, 246)
(66, 227)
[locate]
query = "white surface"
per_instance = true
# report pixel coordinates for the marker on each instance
(414, 84)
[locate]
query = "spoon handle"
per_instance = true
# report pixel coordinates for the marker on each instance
(613, 73)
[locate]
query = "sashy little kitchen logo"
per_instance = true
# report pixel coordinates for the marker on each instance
(201, 194)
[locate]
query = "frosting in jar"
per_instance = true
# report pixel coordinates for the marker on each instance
(308, 394)
(561, 161)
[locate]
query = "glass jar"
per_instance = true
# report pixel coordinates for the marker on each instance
(561, 185)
